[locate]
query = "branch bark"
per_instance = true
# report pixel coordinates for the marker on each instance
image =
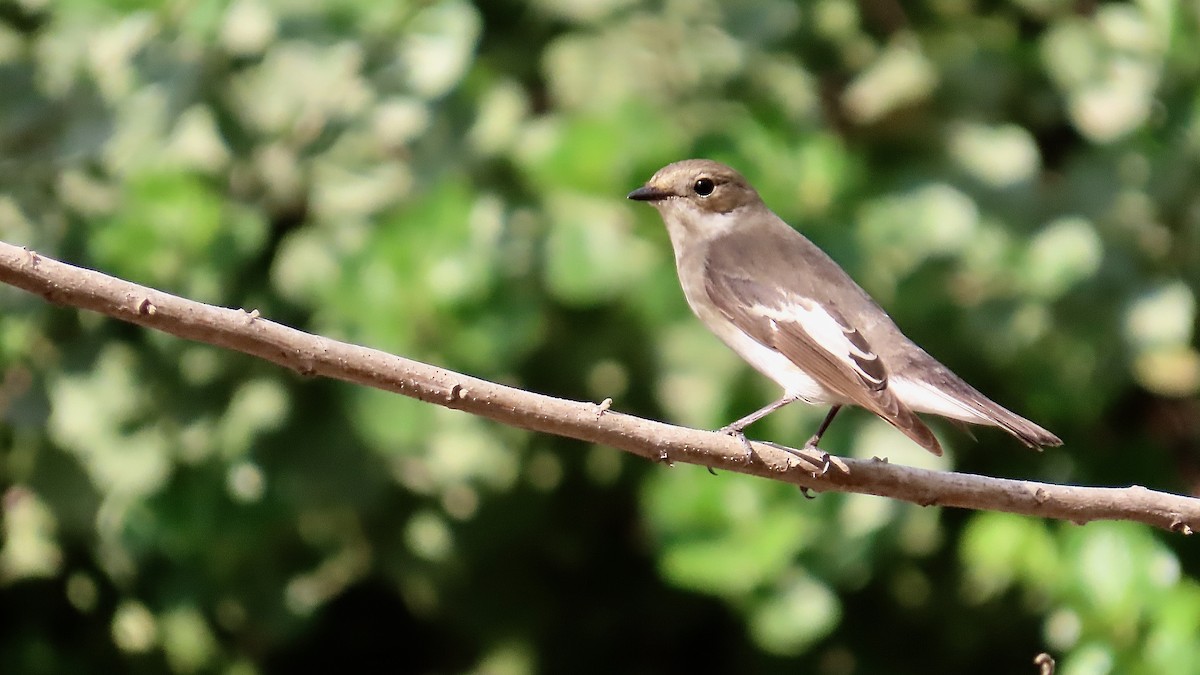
(309, 354)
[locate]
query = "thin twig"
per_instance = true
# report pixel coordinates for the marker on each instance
(248, 332)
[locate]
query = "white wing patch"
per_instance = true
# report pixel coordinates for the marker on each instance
(831, 333)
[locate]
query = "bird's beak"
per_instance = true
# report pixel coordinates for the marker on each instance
(648, 194)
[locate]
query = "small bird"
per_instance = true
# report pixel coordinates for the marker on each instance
(794, 315)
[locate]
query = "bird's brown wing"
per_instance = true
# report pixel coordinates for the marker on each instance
(817, 338)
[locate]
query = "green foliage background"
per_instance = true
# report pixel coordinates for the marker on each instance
(1017, 182)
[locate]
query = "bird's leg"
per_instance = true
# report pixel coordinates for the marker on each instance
(812, 442)
(735, 429)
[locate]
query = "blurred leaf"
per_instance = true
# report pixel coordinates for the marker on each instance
(1000, 550)
(795, 617)
(589, 255)
(726, 539)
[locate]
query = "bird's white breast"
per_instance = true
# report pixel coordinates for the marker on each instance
(774, 365)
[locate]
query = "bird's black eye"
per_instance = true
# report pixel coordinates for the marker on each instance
(704, 187)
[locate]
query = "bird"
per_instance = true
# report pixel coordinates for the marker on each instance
(791, 312)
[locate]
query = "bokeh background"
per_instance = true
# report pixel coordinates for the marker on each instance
(1017, 182)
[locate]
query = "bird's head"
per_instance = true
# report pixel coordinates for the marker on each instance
(697, 186)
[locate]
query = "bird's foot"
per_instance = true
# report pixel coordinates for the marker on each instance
(825, 461)
(736, 432)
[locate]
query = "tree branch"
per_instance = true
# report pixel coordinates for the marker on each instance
(309, 354)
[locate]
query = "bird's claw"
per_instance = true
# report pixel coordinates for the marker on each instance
(811, 444)
(737, 433)
(826, 462)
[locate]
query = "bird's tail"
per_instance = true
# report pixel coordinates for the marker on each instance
(950, 397)
(1025, 431)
